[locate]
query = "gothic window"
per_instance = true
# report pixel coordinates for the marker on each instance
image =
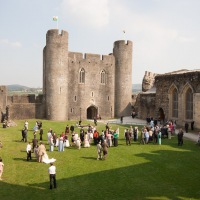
(82, 76)
(103, 77)
(189, 104)
(175, 103)
(74, 98)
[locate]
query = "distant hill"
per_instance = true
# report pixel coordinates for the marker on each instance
(136, 88)
(17, 87)
(20, 90)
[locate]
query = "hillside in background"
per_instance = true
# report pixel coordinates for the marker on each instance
(15, 88)
(136, 88)
(20, 89)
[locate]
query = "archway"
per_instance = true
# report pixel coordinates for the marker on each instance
(161, 115)
(92, 112)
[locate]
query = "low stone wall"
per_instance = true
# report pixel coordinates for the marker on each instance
(26, 111)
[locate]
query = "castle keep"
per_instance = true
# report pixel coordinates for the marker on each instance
(78, 86)
(85, 85)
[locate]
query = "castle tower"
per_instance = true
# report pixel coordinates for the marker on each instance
(55, 77)
(123, 77)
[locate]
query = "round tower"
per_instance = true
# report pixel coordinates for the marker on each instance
(55, 78)
(122, 52)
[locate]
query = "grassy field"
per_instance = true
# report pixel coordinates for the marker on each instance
(133, 172)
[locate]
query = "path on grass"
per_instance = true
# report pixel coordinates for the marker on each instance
(136, 121)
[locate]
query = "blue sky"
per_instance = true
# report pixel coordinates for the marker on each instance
(165, 33)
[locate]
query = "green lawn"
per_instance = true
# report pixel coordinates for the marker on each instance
(133, 172)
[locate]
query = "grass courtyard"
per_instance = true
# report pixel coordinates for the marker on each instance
(138, 171)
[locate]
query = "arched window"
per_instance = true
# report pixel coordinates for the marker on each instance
(103, 77)
(175, 103)
(189, 104)
(82, 76)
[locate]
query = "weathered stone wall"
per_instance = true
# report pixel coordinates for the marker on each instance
(148, 81)
(122, 52)
(145, 105)
(92, 92)
(181, 81)
(3, 101)
(56, 75)
(26, 111)
(25, 98)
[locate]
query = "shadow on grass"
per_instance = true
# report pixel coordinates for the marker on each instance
(89, 158)
(161, 180)
(25, 160)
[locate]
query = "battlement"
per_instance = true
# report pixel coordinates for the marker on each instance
(120, 43)
(54, 37)
(76, 56)
(25, 98)
(150, 74)
(55, 32)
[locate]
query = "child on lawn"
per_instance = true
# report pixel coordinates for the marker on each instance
(1, 168)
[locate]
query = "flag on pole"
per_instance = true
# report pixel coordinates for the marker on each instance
(124, 31)
(55, 18)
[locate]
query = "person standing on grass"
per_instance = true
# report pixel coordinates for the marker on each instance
(128, 137)
(105, 149)
(99, 150)
(35, 142)
(41, 133)
(25, 134)
(51, 145)
(115, 135)
(28, 151)
(52, 176)
(159, 137)
(41, 151)
(180, 137)
(1, 167)
(142, 138)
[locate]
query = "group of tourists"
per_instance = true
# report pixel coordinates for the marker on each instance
(153, 132)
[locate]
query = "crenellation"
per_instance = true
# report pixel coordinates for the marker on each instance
(94, 57)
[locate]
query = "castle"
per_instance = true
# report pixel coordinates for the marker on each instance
(77, 85)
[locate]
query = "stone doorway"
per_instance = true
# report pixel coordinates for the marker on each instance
(161, 115)
(92, 112)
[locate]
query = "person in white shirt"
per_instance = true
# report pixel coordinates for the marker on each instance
(28, 150)
(52, 175)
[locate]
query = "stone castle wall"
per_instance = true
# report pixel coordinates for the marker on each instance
(65, 96)
(92, 92)
(145, 105)
(123, 77)
(26, 111)
(181, 81)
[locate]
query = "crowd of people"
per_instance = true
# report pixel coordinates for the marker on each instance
(69, 138)
(153, 132)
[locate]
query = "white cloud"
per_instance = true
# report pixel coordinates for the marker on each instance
(10, 44)
(89, 12)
